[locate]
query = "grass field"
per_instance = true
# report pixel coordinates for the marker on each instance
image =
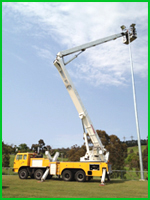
(135, 148)
(13, 187)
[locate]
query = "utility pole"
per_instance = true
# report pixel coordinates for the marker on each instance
(135, 107)
(131, 137)
(124, 138)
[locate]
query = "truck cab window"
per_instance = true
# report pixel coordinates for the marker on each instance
(19, 157)
(25, 157)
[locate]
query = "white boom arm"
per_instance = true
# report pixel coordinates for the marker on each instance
(89, 45)
(97, 154)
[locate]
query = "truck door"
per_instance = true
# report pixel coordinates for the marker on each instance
(18, 161)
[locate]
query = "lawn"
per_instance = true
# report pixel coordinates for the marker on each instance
(13, 187)
(135, 148)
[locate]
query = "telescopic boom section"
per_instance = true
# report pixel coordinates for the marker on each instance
(97, 144)
(89, 45)
(98, 151)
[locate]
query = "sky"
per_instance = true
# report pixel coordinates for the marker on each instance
(35, 102)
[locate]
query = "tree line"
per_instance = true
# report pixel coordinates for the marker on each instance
(119, 157)
(132, 143)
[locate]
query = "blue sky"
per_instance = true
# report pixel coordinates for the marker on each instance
(36, 104)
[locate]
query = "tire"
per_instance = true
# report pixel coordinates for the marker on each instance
(38, 174)
(67, 175)
(80, 176)
(23, 173)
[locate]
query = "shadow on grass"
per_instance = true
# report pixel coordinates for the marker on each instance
(109, 182)
(112, 181)
(5, 187)
(92, 180)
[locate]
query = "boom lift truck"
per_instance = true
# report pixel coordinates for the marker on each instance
(95, 161)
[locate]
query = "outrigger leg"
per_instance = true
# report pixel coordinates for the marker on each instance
(103, 177)
(45, 175)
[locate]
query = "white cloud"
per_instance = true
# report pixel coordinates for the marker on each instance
(44, 53)
(71, 24)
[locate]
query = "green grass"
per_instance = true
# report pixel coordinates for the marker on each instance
(11, 160)
(13, 187)
(8, 171)
(135, 148)
(129, 175)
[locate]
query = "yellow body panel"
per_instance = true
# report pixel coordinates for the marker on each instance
(82, 165)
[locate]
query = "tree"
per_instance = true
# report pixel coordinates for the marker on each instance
(145, 157)
(34, 147)
(63, 151)
(118, 153)
(131, 151)
(76, 152)
(41, 143)
(117, 149)
(39, 147)
(133, 160)
(23, 147)
(48, 147)
(14, 148)
(5, 155)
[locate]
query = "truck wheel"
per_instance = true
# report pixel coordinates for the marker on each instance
(67, 175)
(23, 173)
(80, 176)
(38, 174)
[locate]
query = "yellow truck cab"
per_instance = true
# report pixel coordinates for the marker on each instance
(30, 164)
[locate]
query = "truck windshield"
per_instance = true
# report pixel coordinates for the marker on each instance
(19, 157)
